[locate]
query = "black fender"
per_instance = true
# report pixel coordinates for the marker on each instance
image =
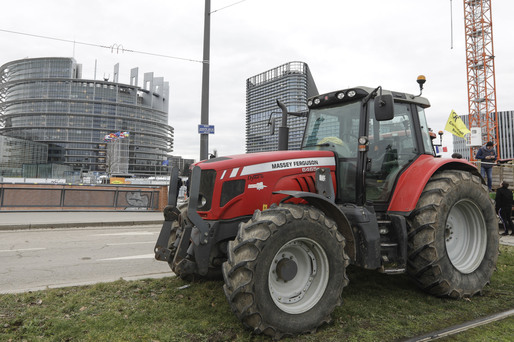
(332, 211)
(363, 238)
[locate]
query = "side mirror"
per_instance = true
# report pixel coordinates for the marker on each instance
(271, 123)
(384, 107)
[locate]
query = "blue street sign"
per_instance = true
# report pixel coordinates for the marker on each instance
(205, 129)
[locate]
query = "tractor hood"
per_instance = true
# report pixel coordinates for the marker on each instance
(235, 186)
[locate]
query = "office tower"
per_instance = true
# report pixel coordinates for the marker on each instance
(292, 84)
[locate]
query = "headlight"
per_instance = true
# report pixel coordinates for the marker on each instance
(202, 201)
(351, 93)
(340, 96)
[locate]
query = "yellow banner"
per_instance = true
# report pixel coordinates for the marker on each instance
(456, 126)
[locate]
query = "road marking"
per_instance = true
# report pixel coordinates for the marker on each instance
(22, 250)
(129, 243)
(132, 257)
(125, 234)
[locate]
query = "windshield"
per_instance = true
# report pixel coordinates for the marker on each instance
(335, 129)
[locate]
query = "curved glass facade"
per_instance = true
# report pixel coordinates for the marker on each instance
(45, 100)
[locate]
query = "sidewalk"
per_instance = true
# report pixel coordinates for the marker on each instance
(507, 240)
(68, 219)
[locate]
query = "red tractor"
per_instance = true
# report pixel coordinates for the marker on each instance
(365, 189)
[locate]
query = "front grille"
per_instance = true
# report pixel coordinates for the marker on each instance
(230, 190)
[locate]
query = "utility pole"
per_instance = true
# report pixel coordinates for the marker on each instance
(204, 138)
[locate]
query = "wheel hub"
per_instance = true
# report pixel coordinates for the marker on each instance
(292, 272)
(298, 275)
(286, 269)
(448, 232)
(465, 236)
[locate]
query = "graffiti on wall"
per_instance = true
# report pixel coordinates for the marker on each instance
(136, 200)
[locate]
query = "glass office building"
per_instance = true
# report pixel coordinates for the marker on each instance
(505, 132)
(45, 100)
(292, 84)
(15, 153)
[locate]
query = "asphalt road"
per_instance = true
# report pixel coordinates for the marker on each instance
(37, 259)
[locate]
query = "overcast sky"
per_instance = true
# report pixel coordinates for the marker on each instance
(345, 43)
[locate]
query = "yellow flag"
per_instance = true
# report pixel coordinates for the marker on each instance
(456, 126)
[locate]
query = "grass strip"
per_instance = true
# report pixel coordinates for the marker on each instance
(377, 307)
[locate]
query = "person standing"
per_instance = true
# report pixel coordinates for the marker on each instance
(487, 155)
(179, 185)
(504, 207)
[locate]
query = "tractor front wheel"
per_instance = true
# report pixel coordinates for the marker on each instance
(453, 236)
(286, 270)
(177, 229)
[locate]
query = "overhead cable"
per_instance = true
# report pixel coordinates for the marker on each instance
(113, 47)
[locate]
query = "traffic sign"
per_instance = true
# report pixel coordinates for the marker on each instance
(205, 129)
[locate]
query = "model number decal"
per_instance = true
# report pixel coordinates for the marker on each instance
(309, 169)
(254, 177)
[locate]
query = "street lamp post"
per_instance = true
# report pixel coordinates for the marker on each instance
(204, 137)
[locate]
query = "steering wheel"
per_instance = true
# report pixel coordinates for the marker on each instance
(337, 145)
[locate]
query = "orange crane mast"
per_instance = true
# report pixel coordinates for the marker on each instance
(480, 71)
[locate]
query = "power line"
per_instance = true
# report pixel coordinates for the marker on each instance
(114, 47)
(235, 3)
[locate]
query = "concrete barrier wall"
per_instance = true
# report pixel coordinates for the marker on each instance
(17, 197)
(502, 173)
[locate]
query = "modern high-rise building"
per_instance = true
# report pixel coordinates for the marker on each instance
(46, 100)
(15, 153)
(292, 84)
(505, 132)
(182, 164)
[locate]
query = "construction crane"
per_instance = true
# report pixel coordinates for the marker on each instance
(482, 117)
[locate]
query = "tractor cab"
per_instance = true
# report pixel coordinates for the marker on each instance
(374, 137)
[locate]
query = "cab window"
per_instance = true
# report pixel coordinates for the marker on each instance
(425, 135)
(392, 145)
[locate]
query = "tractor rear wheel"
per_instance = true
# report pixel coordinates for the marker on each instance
(286, 270)
(453, 236)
